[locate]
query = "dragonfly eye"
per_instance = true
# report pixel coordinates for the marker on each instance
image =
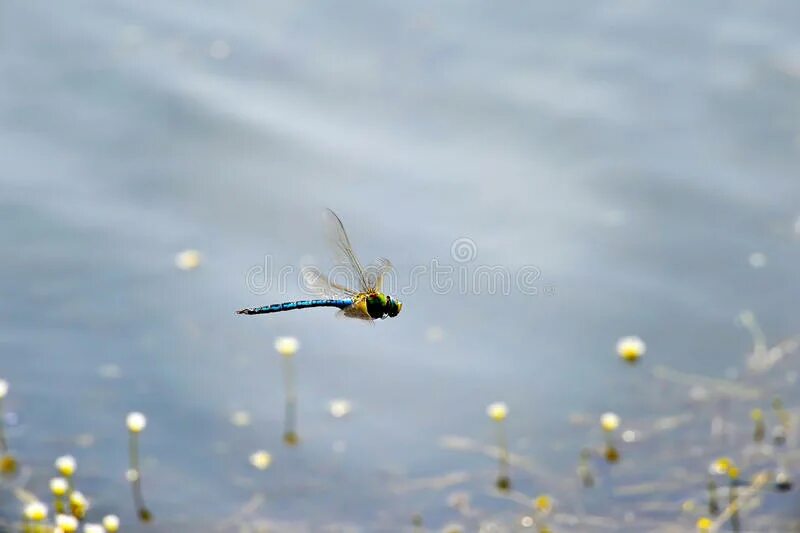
(393, 307)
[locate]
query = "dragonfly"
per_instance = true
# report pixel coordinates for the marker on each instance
(367, 302)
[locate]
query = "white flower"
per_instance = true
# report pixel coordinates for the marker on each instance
(287, 346)
(59, 486)
(3, 388)
(77, 499)
(136, 422)
(240, 418)
(66, 465)
(340, 408)
(111, 523)
(93, 528)
(609, 422)
(631, 348)
(497, 411)
(67, 523)
(132, 475)
(261, 459)
(36, 511)
(187, 260)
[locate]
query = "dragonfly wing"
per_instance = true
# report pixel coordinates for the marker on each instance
(318, 283)
(344, 249)
(377, 273)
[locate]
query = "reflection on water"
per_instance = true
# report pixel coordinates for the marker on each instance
(642, 157)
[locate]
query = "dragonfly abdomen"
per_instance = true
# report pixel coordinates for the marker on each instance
(302, 304)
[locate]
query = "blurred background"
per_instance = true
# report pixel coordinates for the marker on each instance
(642, 156)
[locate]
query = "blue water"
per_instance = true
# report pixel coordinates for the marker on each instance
(635, 153)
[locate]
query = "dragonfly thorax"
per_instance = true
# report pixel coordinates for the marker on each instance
(380, 305)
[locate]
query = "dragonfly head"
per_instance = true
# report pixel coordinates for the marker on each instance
(380, 305)
(393, 307)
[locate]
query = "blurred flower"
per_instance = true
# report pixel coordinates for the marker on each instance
(240, 418)
(132, 475)
(609, 422)
(136, 422)
(93, 528)
(720, 465)
(782, 481)
(79, 504)
(757, 260)
(59, 486)
(3, 388)
(66, 465)
(111, 523)
(66, 522)
(543, 503)
(35, 511)
(187, 260)
(631, 349)
(261, 459)
(497, 411)
(704, 524)
(340, 408)
(287, 346)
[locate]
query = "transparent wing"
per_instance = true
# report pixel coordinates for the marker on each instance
(377, 273)
(344, 250)
(318, 283)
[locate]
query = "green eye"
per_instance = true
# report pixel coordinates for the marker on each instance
(394, 307)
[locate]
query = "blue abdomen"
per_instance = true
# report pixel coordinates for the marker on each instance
(302, 304)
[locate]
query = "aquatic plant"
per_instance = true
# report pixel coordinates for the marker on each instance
(59, 487)
(66, 466)
(498, 411)
(136, 423)
(416, 522)
(713, 502)
(585, 473)
(78, 504)
(733, 502)
(8, 463)
(543, 506)
(609, 422)
(287, 347)
(759, 428)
